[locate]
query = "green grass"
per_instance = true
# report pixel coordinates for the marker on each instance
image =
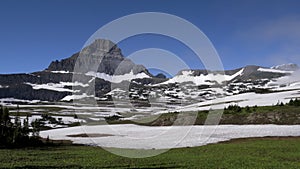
(281, 115)
(267, 153)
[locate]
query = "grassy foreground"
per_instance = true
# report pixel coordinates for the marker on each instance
(242, 153)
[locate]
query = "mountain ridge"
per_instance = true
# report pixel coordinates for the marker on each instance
(111, 68)
(103, 56)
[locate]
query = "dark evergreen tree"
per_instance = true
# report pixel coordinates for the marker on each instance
(15, 134)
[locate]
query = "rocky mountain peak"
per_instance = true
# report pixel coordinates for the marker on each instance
(102, 48)
(101, 56)
(103, 44)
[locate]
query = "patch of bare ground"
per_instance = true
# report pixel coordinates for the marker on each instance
(90, 135)
(239, 140)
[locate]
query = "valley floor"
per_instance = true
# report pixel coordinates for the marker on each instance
(259, 153)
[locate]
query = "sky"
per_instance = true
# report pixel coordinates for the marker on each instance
(244, 32)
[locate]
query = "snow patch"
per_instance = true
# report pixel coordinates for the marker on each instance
(187, 76)
(116, 91)
(286, 82)
(165, 137)
(59, 87)
(273, 70)
(61, 71)
(18, 100)
(243, 100)
(4, 86)
(118, 78)
(75, 97)
(68, 119)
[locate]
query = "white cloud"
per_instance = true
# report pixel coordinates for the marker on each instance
(278, 40)
(285, 28)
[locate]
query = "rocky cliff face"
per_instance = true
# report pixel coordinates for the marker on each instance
(101, 56)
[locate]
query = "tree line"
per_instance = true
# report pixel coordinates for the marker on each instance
(15, 132)
(231, 109)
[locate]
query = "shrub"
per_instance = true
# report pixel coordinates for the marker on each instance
(295, 102)
(232, 109)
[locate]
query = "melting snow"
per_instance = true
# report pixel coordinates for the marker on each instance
(273, 70)
(116, 91)
(57, 86)
(187, 76)
(62, 71)
(4, 86)
(75, 97)
(18, 100)
(164, 137)
(68, 119)
(118, 78)
(245, 99)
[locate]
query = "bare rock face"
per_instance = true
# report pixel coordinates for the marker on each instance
(101, 56)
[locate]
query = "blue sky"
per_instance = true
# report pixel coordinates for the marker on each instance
(33, 32)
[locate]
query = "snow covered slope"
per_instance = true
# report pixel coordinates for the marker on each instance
(163, 137)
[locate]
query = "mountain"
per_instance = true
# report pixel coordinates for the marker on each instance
(55, 82)
(192, 86)
(116, 77)
(247, 73)
(103, 54)
(287, 67)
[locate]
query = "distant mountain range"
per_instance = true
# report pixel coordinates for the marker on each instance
(56, 82)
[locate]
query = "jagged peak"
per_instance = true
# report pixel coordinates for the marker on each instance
(103, 44)
(99, 47)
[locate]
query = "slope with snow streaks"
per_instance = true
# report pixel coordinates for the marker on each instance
(77, 97)
(59, 87)
(118, 78)
(273, 70)
(243, 100)
(202, 79)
